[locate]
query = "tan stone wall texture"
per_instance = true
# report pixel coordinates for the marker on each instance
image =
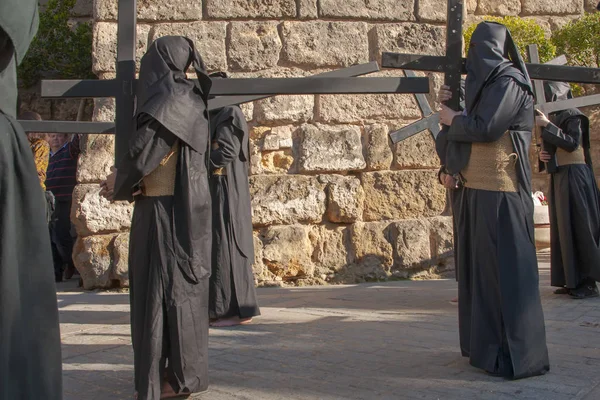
(333, 200)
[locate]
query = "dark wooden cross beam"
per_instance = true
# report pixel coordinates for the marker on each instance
(122, 88)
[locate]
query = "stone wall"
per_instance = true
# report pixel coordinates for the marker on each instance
(333, 199)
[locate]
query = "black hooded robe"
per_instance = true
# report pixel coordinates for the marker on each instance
(232, 290)
(501, 321)
(573, 204)
(30, 353)
(170, 238)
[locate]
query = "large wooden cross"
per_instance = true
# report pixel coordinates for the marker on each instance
(232, 91)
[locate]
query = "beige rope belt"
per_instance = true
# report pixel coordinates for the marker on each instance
(563, 157)
(219, 171)
(161, 181)
(492, 166)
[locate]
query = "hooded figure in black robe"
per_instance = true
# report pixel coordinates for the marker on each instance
(170, 240)
(500, 313)
(573, 198)
(232, 291)
(30, 354)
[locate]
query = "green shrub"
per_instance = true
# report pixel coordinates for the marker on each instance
(579, 40)
(59, 50)
(524, 33)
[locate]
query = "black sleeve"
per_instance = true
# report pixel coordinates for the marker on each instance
(229, 140)
(499, 104)
(567, 139)
(150, 146)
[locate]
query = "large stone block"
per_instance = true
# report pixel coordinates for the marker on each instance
(253, 45)
(441, 235)
(329, 248)
(230, 9)
(432, 10)
(120, 271)
(325, 44)
(382, 10)
(499, 7)
(378, 152)
(258, 267)
(276, 162)
(308, 9)
(92, 214)
(287, 251)
(83, 8)
(286, 199)
(372, 248)
(152, 10)
(552, 7)
(416, 152)
(209, 38)
(396, 195)
(104, 45)
(92, 258)
(330, 149)
(284, 109)
(407, 38)
(348, 109)
(278, 137)
(96, 158)
(104, 109)
(345, 198)
(412, 247)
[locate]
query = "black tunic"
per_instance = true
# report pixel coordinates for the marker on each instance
(232, 290)
(573, 205)
(500, 314)
(170, 239)
(30, 354)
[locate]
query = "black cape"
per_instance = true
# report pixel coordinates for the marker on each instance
(170, 239)
(30, 353)
(232, 290)
(500, 314)
(573, 202)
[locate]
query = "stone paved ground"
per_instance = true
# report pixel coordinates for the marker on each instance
(376, 341)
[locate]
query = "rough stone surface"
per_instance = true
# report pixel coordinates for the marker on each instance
(258, 267)
(308, 9)
(120, 269)
(277, 162)
(254, 45)
(345, 198)
(330, 149)
(379, 154)
(329, 247)
(417, 151)
(209, 38)
(402, 195)
(325, 44)
(412, 247)
(152, 10)
(287, 251)
(433, 10)
(104, 109)
(499, 7)
(286, 199)
(284, 109)
(93, 260)
(442, 242)
(407, 38)
(96, 158)
(372, 249)
(104, 45)
(348, 109)
(92, 214)
(31, 101)
(279, 137)
(590, 5)
(250, 9)
(383, 10)
(552, 7)
(83, 8)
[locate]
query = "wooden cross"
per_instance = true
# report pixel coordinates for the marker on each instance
(122, 88)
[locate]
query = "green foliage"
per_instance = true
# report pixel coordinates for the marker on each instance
(524, 33)
(60, 49)
(579, 40)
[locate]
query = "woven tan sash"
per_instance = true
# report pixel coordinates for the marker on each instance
(161, 181)
(492, 166)
(565, 158)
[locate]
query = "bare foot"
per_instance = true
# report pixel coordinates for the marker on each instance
(167, 392)
(233, 321)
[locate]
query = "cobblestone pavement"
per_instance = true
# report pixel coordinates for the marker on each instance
(395, 340)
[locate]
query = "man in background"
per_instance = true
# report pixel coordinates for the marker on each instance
(61, 178)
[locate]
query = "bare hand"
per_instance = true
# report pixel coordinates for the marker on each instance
(448, 181)
(545, 156)
(541, 119)
(108, 185)
(447, 115)
(444, 94)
